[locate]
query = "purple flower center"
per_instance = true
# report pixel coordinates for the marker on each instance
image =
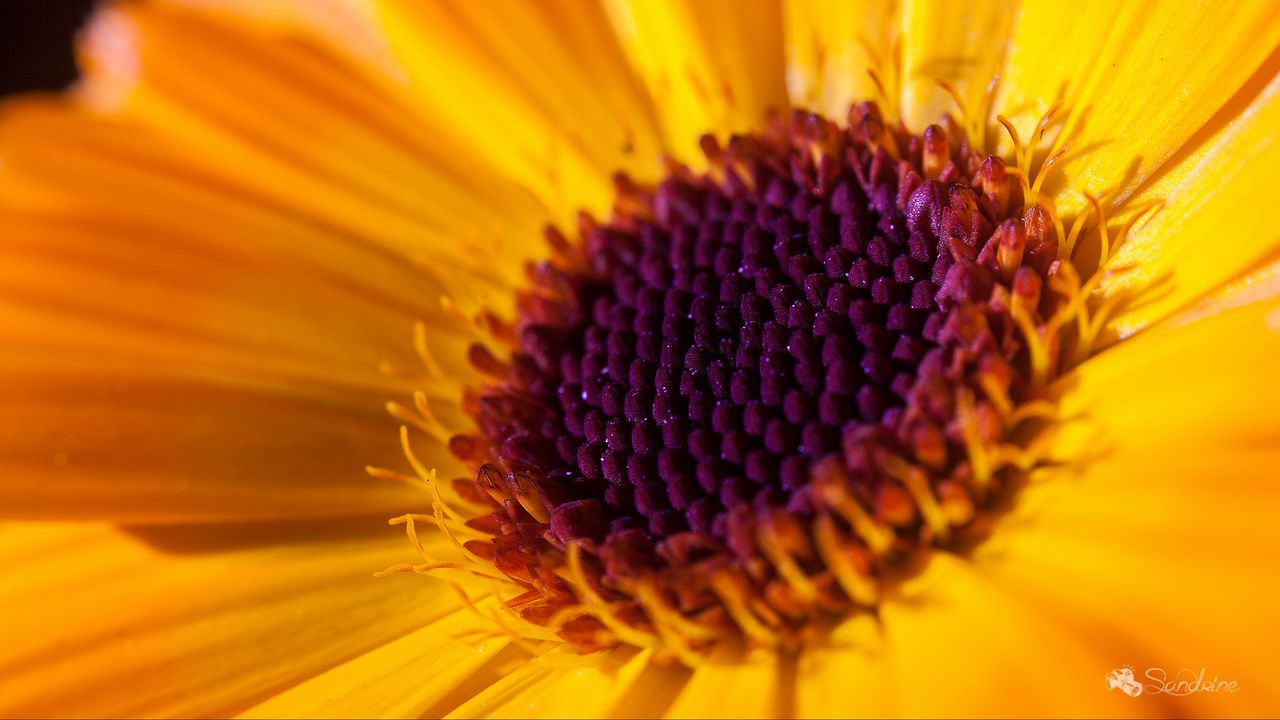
(777, 369)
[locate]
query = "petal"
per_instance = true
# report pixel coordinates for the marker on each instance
(100, 439)
(109, 220)
(541, 92)
(732, 683)
(345, 26)
(962, 44)
(234, 328)
(912, 49)
(1208, 228)
(854, 663)
(163, 370)
(559, 685)
(308, 133)
(1159, 535)
(958, 645)
(413, 676)
(831, 45)
(1138, 79)
(714, 66)
(189, 622)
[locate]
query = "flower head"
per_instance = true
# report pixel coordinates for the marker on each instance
(752, 360)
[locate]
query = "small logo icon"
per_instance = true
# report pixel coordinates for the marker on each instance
(1122, 678)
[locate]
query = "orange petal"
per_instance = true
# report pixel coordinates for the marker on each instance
(102, 439)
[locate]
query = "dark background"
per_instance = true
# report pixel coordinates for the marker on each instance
(35, 43)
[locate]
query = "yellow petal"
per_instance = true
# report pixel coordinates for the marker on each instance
(409, 677)
(958, 645)
(81, 286)
(1158, 534)
(962, 44)
(847, 677)
(1139, 80)
(541, 92)
(833, 49)
(561, 685)
(1210, 225)
(831, 45)
(714, 66)
(734, 683)
(193, 622)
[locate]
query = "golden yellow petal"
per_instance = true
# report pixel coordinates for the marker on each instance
(1139, 79)
(957, 644)
(650, 693)
(1211, 222)
(196, 621)
(962, 44)
(541, 92)
(1156, 535)
(560, 684)
(738, 684)
(831, 45)
(408, 677)
(193, 297)
(847, 677)
(714, 66)
(168, 355)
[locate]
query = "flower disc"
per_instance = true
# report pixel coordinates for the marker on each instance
(728, 406)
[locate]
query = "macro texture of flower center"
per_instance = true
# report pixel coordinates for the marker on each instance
(728, 408)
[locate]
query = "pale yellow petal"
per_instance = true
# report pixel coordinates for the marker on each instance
(714, 66)
(1139, 79)
(193, 622)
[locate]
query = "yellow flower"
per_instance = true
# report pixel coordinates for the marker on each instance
(216, 250)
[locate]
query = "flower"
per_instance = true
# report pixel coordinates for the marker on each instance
(216, 248)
